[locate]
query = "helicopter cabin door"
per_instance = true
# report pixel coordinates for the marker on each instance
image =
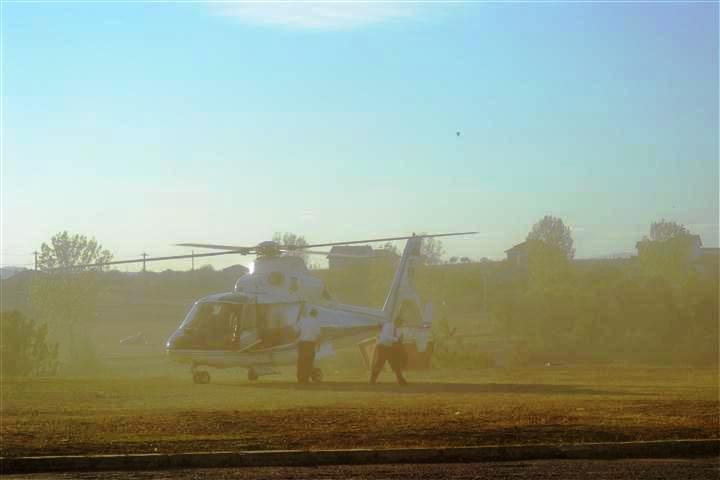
(276, 323)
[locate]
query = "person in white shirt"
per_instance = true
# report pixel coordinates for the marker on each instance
(309, 329)
(387, 350)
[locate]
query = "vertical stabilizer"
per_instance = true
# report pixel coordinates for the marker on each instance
(403, 298)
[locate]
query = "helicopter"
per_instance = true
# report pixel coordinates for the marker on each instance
(252, 326)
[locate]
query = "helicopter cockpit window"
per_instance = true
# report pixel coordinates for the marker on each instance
(216, 325)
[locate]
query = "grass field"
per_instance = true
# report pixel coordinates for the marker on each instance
(149, 406)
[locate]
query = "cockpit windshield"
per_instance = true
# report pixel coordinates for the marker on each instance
(204, 315)
(221, 324)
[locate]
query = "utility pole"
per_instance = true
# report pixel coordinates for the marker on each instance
(193, 260)
(35, 253)
(144, 255)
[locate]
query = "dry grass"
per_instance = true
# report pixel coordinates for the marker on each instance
(168, 413)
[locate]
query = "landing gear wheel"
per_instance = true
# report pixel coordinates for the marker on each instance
(201, 377)
(252, 375)
(316, 376)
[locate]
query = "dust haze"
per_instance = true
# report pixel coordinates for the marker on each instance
(553, 350)
(515, 205)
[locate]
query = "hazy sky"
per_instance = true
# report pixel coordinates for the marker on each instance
(147, 124)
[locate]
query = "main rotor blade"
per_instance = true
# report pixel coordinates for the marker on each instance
(388, 239)
(218, 247)
(140, 260)
(349, 255)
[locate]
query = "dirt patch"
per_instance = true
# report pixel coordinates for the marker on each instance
(98, 416)
(336, 428)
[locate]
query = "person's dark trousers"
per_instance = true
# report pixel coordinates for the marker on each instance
(397, 363)
(384, 354)
(306, 358)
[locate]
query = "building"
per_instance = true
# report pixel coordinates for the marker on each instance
(710, 254)
(708, 261)
(349, 256)
(520, 254)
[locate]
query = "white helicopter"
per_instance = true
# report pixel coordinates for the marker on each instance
(253, 326)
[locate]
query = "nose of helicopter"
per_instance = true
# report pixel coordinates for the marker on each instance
(177, 341)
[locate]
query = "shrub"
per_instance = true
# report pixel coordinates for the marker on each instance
(24, 348)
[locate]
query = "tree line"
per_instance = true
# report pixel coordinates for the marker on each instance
(658, 299)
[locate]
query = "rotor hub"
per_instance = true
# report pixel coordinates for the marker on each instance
(268, 249)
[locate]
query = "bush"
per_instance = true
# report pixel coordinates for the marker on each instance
(24, 348)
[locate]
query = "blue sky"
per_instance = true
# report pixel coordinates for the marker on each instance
(148, 124)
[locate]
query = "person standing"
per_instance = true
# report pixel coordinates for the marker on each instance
(309, 329)
(388, 349)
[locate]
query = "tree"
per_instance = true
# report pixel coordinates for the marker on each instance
(24, 349)
(665, 230)
(65, 301)
(669, 249)
(432, 251)
(66, 298)
(553, 232)
(67, 251)
(291, 239)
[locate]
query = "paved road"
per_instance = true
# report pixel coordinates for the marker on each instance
(666, 469)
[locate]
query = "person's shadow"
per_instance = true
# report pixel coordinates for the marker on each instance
(433, 388)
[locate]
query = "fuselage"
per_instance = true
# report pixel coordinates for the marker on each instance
(227, 330)
(255, 324)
